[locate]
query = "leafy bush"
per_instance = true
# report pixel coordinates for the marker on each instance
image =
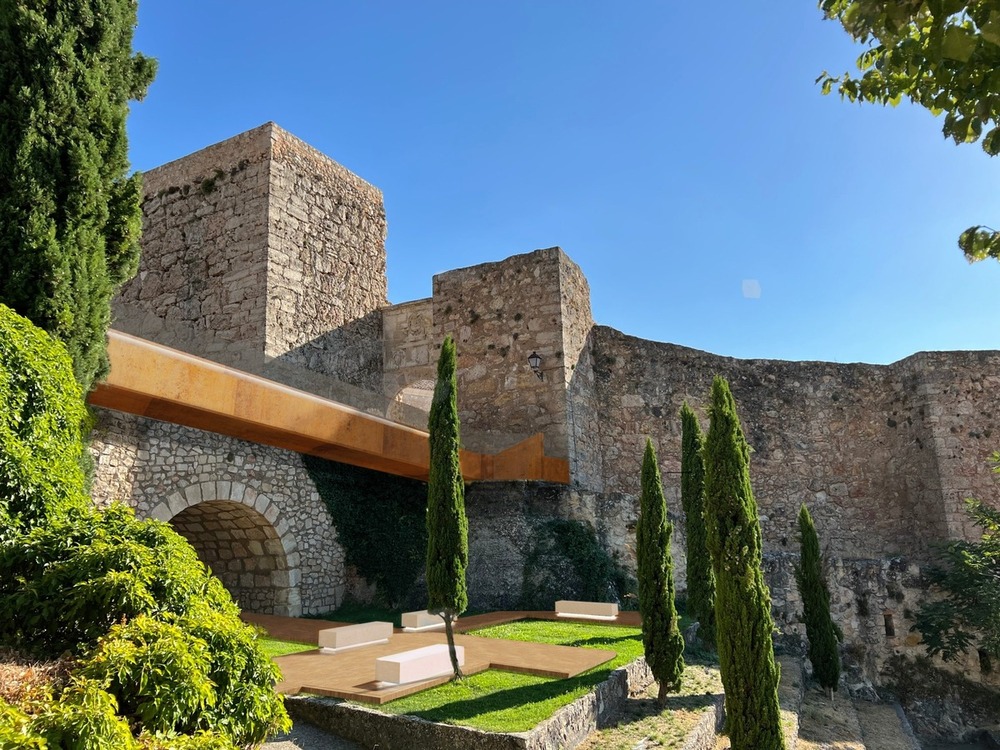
(65, 584)
(202, 671)
(84, 717)
(42, 422)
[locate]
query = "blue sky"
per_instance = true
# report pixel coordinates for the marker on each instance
(673, 153)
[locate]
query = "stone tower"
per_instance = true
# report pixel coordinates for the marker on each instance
(261, 246)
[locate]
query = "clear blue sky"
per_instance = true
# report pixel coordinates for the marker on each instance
(673, 151)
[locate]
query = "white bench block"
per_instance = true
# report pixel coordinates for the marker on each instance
(422, 620)
(587, 610)
(332, 640)
(417, 664)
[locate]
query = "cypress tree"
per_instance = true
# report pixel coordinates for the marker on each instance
(661, 638)
(700, 578)
(742, 601)
(70, 215)
(820, 628)
(447, 527)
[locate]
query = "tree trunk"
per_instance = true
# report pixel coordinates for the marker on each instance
(449, 632)
(664, 691)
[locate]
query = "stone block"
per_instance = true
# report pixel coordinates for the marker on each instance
(417, 664)
(333, 640)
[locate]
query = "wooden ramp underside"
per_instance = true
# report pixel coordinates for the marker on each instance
(155, 381)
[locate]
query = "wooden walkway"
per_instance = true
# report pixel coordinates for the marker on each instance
(351, 674)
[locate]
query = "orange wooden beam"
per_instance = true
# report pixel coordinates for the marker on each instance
(155, 381)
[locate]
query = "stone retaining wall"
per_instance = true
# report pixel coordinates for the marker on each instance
(566, 729)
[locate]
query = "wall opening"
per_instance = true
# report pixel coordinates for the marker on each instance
(243, 550)
(890, 628)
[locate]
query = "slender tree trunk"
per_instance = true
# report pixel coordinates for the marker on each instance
(449, 632)
(664, 691)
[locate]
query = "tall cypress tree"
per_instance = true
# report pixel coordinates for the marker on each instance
(661, 638)
(447, 526)
(700, 578)
(70, 215)
(820, 629)
(742, 601)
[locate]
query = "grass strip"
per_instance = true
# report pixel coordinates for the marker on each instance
(500, 701)
(274, 647)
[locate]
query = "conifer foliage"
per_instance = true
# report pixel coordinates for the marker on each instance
(69, 214)
(447, 526)
(661, 638)
(742, 600)
(700, 578)
(820, 629)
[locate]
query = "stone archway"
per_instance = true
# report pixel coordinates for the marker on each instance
(418, 395)
(242, 537)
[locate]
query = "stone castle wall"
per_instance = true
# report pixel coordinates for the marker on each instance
(271, 248)
(882, 455)
(204, 246)
(498, 313)
(278, 252)
(326, 260)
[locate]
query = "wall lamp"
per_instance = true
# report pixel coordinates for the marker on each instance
(535, 362)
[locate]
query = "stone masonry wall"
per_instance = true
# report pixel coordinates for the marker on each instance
(204, 243)
(270, 247)
(229, 497)
(499, 313)
(859, 444)
(325, 266)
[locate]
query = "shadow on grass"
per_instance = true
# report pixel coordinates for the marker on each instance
(602, 641)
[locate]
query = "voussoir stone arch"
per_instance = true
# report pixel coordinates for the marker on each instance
(241, 534)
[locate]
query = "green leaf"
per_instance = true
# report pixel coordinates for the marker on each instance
(958, 44)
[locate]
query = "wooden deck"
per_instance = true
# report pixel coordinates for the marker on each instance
(351, 674)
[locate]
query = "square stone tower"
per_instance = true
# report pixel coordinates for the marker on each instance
(261, 246)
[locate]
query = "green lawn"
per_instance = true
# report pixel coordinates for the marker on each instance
(273, 647)
(507, 702)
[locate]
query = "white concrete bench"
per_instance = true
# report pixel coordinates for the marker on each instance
(333, 640)
(415, 622)
(417, 664)
(587, 610)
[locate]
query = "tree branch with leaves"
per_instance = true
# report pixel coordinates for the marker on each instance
(941, 54)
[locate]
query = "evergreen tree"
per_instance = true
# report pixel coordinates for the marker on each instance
(661, 638)
(742, 601)
(820, 629)
(70, 216)
(700, 578)
(447, 527)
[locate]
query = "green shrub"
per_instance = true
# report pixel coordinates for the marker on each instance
(83, 718)
(202, 671)
(42, 422)
(15, 729)
(246, 707)
(157, 672)
(65, 584)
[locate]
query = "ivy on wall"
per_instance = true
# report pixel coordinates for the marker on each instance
(380, 522)
(568, 562)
